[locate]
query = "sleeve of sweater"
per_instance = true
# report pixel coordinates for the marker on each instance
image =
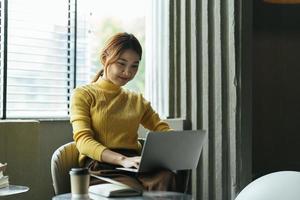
(151, 119)
(81, 123)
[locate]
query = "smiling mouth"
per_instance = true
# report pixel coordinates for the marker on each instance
(125, 79)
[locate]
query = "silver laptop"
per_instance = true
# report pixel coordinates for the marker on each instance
(173, 150)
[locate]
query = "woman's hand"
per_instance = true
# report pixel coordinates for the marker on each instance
(131, 162)
(112, 157)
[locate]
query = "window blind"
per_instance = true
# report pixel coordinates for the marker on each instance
(39, 58)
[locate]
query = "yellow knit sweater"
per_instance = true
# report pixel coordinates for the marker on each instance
(104, 115)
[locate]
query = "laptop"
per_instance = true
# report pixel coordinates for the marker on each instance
(173, 150)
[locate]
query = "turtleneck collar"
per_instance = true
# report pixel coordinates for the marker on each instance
(107, 85)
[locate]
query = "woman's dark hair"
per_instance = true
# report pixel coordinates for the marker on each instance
(114, 47)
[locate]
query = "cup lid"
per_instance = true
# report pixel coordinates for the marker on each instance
(79, 171)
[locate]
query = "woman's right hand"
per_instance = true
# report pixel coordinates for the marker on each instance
(115, 158)
(129, 162)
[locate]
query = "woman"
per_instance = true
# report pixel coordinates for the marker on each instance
(105, 118)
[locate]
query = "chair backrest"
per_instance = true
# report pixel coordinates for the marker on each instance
(63, 159)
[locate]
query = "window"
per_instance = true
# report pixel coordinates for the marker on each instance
(157, 56)
(148, 20)
(44, 55)
(39, 59)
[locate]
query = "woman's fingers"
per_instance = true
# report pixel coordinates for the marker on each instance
(132, 161)
(137, 159)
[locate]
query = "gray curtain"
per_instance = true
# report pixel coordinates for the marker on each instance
(205, 89)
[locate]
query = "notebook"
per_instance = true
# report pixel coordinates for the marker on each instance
(173, 150)
(112, 188)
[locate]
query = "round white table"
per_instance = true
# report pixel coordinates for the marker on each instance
(13, 189)
(158, 195)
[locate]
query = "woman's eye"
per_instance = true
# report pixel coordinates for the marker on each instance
(135, 66)
(123, 64)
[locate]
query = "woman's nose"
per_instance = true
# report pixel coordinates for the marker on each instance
(127, 72)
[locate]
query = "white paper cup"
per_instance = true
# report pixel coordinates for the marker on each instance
(80, 180)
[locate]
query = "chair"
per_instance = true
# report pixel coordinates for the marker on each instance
(63, 159)
(275, 186)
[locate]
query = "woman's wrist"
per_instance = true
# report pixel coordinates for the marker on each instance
(120, 160)
(112, 157)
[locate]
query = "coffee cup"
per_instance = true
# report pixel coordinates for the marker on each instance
(80, 180)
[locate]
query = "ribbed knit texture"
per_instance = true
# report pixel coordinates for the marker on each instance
(104, 115)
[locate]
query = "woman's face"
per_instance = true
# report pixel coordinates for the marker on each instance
(124, 69)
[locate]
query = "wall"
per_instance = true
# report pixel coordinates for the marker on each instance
(276, 93)
(27, 147)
